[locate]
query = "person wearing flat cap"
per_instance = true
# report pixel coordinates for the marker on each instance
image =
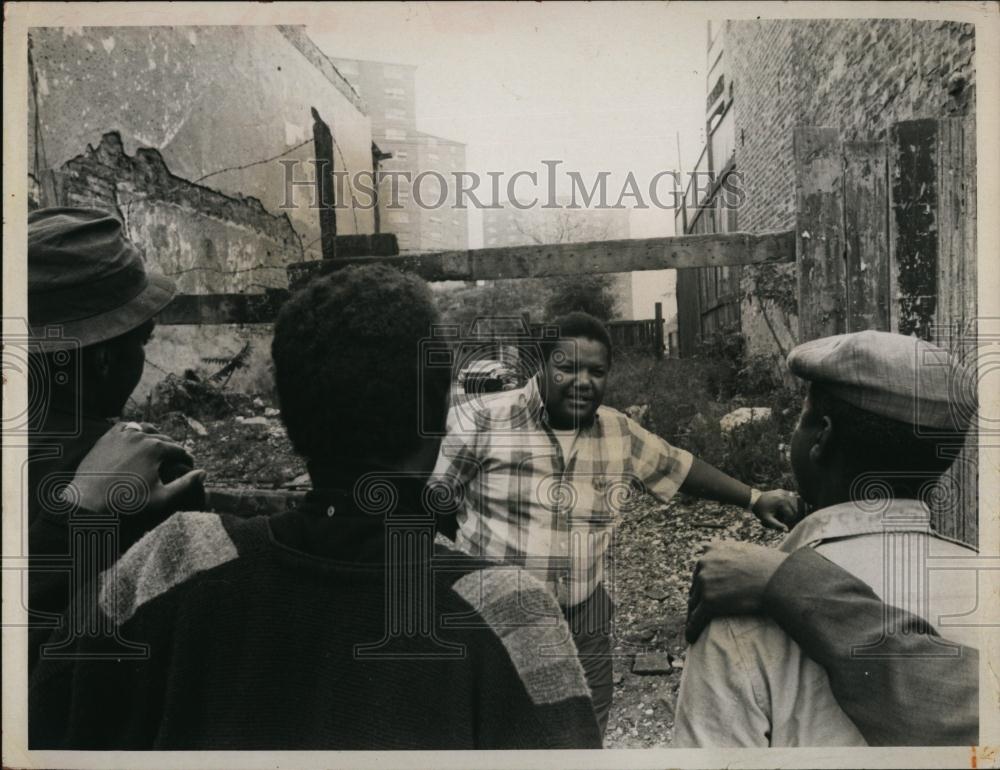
(883, 419)
(91, 305)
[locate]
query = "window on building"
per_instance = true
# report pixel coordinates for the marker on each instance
(401, 154)
(399, 217)
(395, 134)
(394, 113)
(395, 93)
(433, 156)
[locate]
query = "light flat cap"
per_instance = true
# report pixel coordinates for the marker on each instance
(902, 378)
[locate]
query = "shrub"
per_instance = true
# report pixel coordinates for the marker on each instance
(688, 396)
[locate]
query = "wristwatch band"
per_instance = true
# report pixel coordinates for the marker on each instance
(754, 497)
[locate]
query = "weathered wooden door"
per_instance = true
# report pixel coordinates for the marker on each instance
(886, 239)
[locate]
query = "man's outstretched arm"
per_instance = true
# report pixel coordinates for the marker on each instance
(829, 613)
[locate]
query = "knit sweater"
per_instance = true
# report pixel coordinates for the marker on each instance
(305, 631)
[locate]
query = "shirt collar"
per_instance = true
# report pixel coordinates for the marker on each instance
(852, 519)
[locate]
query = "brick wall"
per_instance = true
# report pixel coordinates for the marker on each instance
(861, 75)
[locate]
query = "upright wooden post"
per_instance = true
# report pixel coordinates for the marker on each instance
(323, 145)
(819, 232)
(866, 236)
(913, 214)
(658, 330)
(932, 246)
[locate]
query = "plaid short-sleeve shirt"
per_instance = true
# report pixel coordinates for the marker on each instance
(523, 502)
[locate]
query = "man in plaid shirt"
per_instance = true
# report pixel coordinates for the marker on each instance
(543, 472)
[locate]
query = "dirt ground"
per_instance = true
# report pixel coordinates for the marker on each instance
(656, 546)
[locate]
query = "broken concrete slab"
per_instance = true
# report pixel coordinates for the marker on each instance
(652, 663)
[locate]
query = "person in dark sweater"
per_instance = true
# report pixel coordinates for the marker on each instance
(343, 624)
(91, 309)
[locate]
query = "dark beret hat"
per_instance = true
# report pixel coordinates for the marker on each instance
(87, 282)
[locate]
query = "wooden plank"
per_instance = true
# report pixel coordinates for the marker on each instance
(956, 307)
(367, 245)
(866, 235)
(913, 214)
(658, 330)
(187, 309)
(688, 312)
(326, 195)
(541, 261)
(819, 232)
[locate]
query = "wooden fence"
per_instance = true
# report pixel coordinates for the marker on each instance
(886, 239)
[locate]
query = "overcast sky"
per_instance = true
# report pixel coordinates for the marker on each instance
(598, 86)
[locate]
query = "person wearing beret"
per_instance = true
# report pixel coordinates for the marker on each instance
(855, 581)
(91, 305)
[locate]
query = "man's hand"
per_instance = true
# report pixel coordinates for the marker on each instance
(729, 579)
(779, 509)
(128, 449)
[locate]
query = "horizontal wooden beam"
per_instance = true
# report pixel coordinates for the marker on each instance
(542, 261)
(536, 261)
(187, 309)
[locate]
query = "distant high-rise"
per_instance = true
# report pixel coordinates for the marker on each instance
(390, 94)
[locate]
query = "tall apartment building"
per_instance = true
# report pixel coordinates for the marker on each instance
(509, 226)
(389, 92)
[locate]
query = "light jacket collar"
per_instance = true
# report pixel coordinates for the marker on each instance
(852, 519)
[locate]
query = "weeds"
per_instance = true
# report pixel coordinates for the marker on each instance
(688, 396)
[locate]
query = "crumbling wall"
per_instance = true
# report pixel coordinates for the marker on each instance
(206, 241)
(860, 75)
(222, 105)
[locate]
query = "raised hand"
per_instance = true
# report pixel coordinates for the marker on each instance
(122, 474)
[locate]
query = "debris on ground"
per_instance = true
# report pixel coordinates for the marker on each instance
(652, 663)
(744, 416)
(194, 397)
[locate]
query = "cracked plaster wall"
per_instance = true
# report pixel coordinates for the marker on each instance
(207, 98)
